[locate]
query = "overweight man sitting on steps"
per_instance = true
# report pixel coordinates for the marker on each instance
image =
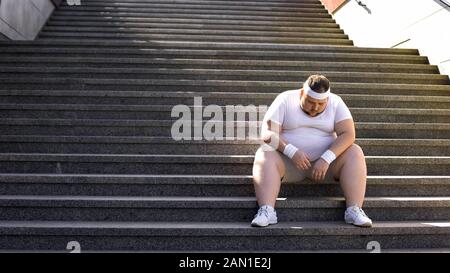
(309, 133)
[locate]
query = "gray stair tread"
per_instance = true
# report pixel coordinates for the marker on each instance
(162, 123)
(189, 14)
(201, 13)
(253, 2)
(176, 31)
(215, 2)
(188, 21)
(192, 94)
(210, 45)
(201, 5)
(182, 158)
(221, 36)
(188, 202)
(168, 140)
(198, 179)
(175, 24)
(168, 71)
(199, 24)
(168, 108)
(180, 60)
(281, 84)
(219, 229)
(405, 250)
(208, 53)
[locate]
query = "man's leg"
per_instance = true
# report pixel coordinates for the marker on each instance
(351, 169)
(268, 168)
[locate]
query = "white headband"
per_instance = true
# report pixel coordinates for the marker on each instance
(314, 94)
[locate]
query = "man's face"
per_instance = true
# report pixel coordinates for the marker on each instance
(311, 106)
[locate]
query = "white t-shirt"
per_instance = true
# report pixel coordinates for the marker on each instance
(312, 135)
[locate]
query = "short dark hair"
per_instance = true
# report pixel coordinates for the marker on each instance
(318, 83)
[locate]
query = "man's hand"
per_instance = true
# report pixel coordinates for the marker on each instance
(301, 160)
(319, 170)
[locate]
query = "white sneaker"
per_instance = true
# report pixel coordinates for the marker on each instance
(356, 216)
(266, 216)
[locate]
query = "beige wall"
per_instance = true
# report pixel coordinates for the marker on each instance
(332, 5)
(400, 23)
(23, 19)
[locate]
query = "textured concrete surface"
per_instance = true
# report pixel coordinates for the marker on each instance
(218, 98)
(212, 209)
(230, 236)
(86, 155)
(161, 145)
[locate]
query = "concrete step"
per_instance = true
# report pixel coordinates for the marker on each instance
(224, 5)
(221, 2)
(163, 112)
(211, 252)
(217, 74)
(162, 145)
(238, 64)
(204, 5)
(229, 75)
(120, 174)
(195, 32)
(307, 55)
(212, 209)
(187, 9)
(275, 1)
(194, 25)
(217, 98)
(108, 127)
(194, 164)
(180, 37)
(92, 20)
(168, 46)
(206, 185)
(213, 236)
(217, 14)
(217, 85)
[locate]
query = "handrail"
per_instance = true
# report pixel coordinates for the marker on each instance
(364, 6)
(446, 2)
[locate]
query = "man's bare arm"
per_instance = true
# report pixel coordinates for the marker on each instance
(346, 136)
(345, 131)
(272, 136)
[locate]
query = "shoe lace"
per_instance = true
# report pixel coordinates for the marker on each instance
(358, 211)
(262, 211)
(362, 212)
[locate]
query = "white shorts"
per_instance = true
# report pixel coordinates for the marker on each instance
(294, 174)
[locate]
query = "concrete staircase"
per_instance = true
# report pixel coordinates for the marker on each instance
(86, 153)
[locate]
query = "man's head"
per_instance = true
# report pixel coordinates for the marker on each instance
(313, 95)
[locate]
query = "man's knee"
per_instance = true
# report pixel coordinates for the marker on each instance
(357, 151)
(354, 152)
(264, 157)
(268, 159)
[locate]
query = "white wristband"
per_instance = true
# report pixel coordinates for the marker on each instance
(328, 156)
(290, 150)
